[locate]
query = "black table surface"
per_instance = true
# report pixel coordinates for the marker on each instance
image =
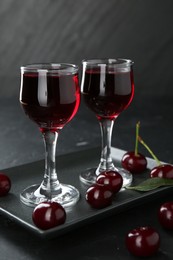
(105, 239)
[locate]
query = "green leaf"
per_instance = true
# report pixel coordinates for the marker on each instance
(151, 184)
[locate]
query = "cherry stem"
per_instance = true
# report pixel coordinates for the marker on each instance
(149, 150)
(136, 141)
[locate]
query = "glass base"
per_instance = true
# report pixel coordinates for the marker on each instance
(67, 197)
(89, 176)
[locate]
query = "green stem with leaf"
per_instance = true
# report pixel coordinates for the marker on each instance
(149, 150)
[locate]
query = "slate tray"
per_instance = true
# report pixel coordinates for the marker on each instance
(69, 167)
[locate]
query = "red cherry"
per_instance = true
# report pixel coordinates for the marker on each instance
(99, 196)
(47, 215)
(143, 241)
(166, 215)
(5, 184)
(162, 171)
(112, 179)
(134, 163)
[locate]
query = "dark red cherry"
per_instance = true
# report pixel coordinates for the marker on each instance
(166, 215)
(5, 184)
(134, 163)
(143, 241)
(47, 215)
(162, 171)
(112, 179)
(99, 196)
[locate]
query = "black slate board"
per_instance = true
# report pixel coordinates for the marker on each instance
(69, 167)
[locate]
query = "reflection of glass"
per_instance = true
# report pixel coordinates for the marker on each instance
(50, 96)
(107, 87)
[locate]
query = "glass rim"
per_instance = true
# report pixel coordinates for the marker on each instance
(50, 67)
(119, 62)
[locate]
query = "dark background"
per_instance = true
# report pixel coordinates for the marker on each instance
(69, 31)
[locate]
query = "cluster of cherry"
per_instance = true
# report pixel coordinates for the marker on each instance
(108, 183)
(56, 216)
(101, 195)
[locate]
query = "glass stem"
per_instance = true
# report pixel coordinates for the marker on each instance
(50, 185)
(106, 163)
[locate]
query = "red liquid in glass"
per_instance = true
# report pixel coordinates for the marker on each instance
(107, 94)
(50, 100)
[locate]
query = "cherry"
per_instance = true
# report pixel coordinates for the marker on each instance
(143, 241)
(5, 184)
(47, 215)
(99, 196)
(166, 215)
(134, 161)
(112, 179)
(162, 171)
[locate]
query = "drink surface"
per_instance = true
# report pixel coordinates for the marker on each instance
(107, 94)
(50, 100)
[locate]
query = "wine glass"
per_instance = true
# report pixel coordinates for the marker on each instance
(50, 96)
(107, 87)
